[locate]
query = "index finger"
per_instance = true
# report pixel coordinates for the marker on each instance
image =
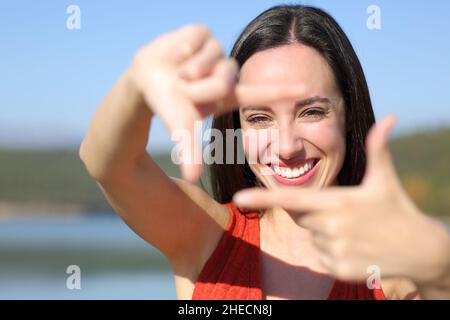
(246, 94)
(257, 95)
(303, 200)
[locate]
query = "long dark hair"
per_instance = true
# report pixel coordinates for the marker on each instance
(282, 25)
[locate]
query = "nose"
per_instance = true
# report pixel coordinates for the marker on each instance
(290, 143)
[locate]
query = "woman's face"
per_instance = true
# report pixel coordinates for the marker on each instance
(295, 142)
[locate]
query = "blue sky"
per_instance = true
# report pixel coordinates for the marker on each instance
(54, 78)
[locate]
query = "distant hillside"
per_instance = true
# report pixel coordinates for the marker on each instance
(423, 162)
(57, 181)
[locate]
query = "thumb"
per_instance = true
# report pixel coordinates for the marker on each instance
(379, 159)
(188, 141)
(190, 166)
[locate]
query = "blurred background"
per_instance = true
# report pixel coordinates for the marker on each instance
(53, 215)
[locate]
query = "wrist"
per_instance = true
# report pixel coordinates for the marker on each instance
(136, 96)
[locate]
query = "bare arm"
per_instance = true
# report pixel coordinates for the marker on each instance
(114, 152)
(175, 216)
(179, 77)
(118, 133)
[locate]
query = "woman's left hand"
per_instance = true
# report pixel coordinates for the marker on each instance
(375, 223)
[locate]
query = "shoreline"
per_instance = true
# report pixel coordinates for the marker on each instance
(19, 209)
(11, 209)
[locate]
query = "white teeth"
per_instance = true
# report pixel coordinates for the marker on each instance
(294, 172)
(290, 173)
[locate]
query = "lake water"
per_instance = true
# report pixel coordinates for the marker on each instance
(114, 263)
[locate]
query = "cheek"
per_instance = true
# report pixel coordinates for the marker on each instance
(256, 143)
(328, 136)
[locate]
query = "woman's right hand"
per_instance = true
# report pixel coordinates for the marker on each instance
(183, 77)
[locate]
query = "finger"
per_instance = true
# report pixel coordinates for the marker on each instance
(222, 88)
(185, 42)
(321, 241)
(184, 124)
(191, 167)
(190, 152)
(291, 199)
(379, 159)
(203, 62)
(327, 261)
(218, 87)
(329, 224)
(265, 94)
(315, 222)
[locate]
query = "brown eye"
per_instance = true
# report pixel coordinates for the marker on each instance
(257, 119)
(315, 113)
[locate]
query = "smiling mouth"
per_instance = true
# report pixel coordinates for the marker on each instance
(294, 172)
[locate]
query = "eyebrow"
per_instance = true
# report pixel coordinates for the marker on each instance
(312, 100)
(298, 104)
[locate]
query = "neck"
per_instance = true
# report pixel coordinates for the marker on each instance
(283, 238)
(281, 227)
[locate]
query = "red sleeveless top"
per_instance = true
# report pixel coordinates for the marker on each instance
(233, 271)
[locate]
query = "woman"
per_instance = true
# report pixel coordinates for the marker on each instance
(298, 76)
